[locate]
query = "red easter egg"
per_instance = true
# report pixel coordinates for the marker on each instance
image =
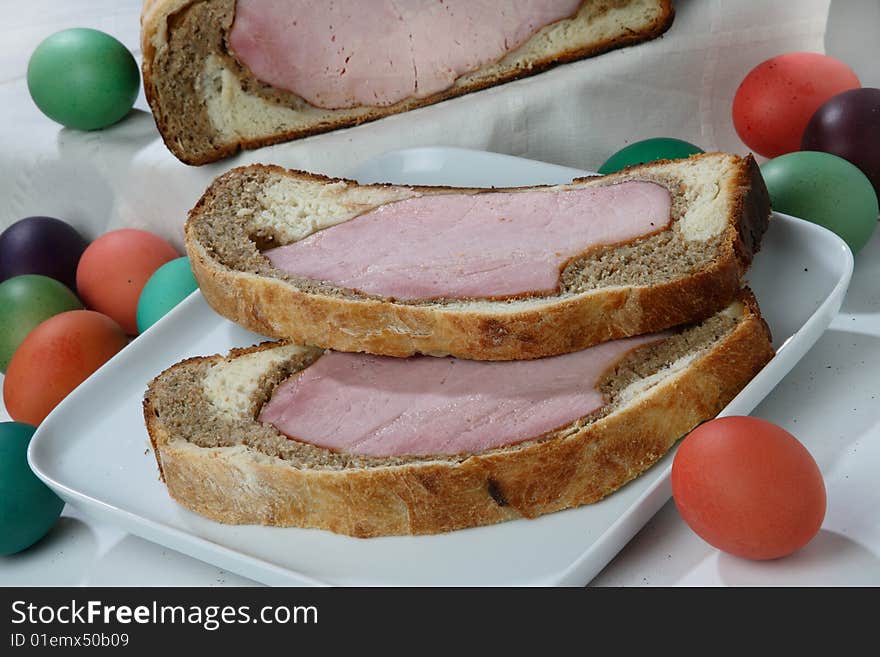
(748, 487)
(54, 358)
(114, 269)
(775, 101)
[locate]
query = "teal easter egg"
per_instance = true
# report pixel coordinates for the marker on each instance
(167, 287)
(826, 190)
(28, 508)
(649, 150)
(83, 79)
(25, 301)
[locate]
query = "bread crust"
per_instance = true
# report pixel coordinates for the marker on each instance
(240, 486)
(276, 308)
(154, 26)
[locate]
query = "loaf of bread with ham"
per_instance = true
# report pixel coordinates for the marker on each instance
(485, 274)
(365, 445)
(221, 75)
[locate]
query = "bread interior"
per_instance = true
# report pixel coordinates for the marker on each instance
(256, 208)
(215, 402)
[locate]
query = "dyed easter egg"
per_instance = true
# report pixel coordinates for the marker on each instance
(55, 358)
(775, 101)
(167, 287)
(748, 487)
(826, 190)
(648, 150)
(114, 270)
(41, 245)
(25, 301)
(83, 79)
(28, 508)
(848, 126)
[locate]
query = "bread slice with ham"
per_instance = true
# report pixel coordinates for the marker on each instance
(498, 274)
(221, 75)
(286, 435)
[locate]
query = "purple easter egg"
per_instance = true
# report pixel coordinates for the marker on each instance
(41, 245)
(848, 125)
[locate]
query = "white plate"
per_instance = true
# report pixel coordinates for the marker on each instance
(94, 452)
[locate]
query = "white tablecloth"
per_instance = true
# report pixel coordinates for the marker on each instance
(681, 85)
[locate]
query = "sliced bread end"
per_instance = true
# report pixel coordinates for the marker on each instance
(681, 275)
(207, 106)
(217, 460)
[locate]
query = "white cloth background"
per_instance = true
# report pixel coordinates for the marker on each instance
(680, 85)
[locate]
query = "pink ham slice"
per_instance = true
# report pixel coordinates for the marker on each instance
(346, 53)
(380, 406)
(492, 244)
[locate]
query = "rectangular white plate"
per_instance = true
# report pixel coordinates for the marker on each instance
(94, 451)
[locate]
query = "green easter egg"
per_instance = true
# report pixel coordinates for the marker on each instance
(826, 190)
(659, 148)
(168, 286)
(25, 301)
(28, 508)
(83, 79)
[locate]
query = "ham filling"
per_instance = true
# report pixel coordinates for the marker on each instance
(381, 406)
(345, 53)
(487, 245)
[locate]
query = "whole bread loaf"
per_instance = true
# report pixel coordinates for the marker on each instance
(208, 104)
(681, 273)
(218, 459)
